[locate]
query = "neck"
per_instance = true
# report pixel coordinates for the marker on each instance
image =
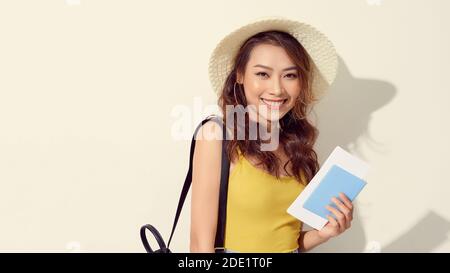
(269, 132)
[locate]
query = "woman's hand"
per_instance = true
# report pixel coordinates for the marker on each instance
(344, 216)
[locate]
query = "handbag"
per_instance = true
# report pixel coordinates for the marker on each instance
(221, 220)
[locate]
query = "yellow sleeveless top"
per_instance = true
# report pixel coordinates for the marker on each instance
(257, 220)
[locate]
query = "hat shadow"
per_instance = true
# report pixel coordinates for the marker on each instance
(342, 117)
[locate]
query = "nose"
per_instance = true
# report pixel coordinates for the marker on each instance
(276, 89)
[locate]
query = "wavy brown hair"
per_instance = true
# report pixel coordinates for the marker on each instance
(297, 135)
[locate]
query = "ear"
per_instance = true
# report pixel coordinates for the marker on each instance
(239, 78)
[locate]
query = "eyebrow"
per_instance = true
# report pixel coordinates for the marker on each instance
(270, 68)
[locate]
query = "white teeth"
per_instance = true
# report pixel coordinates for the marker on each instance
(273, 103)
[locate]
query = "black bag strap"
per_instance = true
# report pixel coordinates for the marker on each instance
(223, 193)
(158, 237)
(225, 167)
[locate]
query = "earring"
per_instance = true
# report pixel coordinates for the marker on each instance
(234, 92)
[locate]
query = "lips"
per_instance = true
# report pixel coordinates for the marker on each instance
(274, 104)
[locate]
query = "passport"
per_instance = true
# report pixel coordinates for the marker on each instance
(335, 181)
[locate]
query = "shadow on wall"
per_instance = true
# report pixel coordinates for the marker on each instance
(343, 117)
(425, 236)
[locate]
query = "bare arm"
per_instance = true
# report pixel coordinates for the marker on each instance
(205, 190)
(309, 240)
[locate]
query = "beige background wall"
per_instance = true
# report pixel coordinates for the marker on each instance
(87, 90)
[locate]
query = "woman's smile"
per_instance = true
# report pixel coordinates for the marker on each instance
(274, 104)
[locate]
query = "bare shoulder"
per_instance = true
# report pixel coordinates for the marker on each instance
(208, 147)
(210, 131)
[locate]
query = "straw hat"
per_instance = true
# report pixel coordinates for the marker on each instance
(320, 49)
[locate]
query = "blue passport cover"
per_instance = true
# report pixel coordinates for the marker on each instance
(335, 181)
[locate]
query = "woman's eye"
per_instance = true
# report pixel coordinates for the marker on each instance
(292, 76)
(261, 74)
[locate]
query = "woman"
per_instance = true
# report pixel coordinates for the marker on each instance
(274, 69)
